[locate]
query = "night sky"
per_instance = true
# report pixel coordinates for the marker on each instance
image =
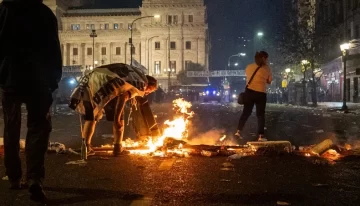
(228, 20)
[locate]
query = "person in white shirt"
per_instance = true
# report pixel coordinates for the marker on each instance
(255, 93)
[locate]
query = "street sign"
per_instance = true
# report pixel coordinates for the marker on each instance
(71, 69)
(217, 73)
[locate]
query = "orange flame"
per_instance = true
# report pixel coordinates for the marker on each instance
(176, 128)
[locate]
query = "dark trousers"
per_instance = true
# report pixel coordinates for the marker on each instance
(39, 127)
(254, 98)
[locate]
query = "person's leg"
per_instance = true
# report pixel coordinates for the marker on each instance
(119, 123)
(247, 110)
(89, 125)
(39, 127)
(12, 123)
(88, 131)
(260, 113)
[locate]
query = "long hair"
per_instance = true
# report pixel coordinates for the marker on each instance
(259, 57)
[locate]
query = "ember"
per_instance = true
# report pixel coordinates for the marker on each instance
(331, 155)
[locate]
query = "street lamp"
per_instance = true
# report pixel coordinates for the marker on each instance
(169, 79)
(345, 53)
(304, 63)
(93, 35)
(236, 64)
(287, 70)
(235, 55)
(149, 52)
(96, 63)
(258, 36)
(131, 34)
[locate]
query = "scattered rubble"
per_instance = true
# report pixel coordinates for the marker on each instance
(77, 162)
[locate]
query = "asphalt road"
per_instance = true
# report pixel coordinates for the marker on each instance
(255, 180)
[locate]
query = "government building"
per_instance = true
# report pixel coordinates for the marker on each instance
(168, 35)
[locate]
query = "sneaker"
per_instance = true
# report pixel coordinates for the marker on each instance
(36, 193)
(238, 135)
(262, 138)
(119, 151)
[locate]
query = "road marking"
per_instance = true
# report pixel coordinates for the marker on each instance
(145, 201)
(167, 164)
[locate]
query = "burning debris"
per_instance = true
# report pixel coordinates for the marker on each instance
(174, 142)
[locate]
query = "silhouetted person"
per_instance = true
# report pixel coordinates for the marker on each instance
(30, 69)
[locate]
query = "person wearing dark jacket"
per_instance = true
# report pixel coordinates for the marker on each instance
(30, 69)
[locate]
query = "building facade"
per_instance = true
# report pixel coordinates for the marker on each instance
(175, 37)
(339, 22)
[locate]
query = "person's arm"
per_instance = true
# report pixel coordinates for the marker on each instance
(269, 80)
(133, 92)
(54, 49)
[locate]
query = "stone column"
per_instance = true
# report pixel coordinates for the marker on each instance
(111, 52)
(125, 52)
(83, 53)
(63, 53)
(67, 54)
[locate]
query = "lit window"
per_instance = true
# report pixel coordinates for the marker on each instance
(157, 68)
(75, 26)
(173, 66)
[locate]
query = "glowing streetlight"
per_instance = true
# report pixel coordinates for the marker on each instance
(260, 34)
(344, 47)
(236, 64)
(156, 16)
(304, 62)
(287, 70)
(242, 54)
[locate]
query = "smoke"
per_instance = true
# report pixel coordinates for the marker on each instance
(210, 137)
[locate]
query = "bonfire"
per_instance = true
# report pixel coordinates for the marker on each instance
(175, 130)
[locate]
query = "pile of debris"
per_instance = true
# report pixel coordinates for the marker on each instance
(327, 150)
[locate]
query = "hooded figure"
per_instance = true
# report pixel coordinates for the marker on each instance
(30, 69)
